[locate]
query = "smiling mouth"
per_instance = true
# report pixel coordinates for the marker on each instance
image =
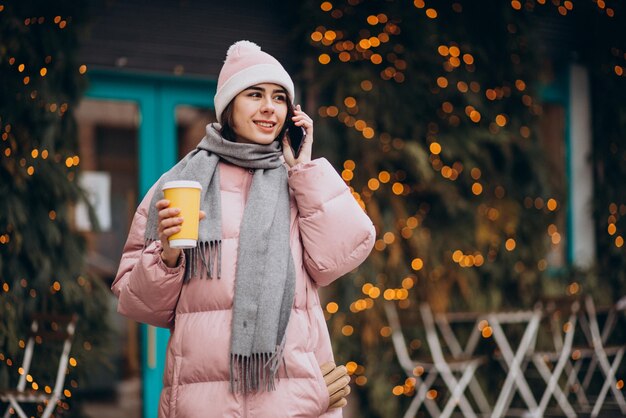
(265, 124)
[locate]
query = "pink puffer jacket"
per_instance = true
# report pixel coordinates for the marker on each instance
(330, 236)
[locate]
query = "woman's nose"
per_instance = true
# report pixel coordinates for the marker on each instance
(267, 105)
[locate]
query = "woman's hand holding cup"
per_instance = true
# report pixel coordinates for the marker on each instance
(169, 224)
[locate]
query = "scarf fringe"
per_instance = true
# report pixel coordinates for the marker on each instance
(202, 261)
(256, 372)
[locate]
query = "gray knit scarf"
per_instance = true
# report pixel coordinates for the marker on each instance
(265, 278)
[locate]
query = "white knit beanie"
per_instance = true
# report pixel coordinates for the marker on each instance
(245, 66)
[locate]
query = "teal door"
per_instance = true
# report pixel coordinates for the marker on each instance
(157, 99)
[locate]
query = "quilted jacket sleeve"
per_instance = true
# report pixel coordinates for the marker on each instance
(336, 233)
(147, 290)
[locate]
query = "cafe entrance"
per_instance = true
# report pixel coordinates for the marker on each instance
(133, 128)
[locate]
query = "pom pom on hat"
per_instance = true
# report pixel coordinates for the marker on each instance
(247, 65)
(237, 47)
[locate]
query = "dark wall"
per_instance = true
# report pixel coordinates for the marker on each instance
(181, 36)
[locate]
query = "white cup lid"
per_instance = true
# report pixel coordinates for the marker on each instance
(183, 243)
(190, 184)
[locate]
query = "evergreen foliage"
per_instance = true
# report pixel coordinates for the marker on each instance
(42, 256)
(434, 111)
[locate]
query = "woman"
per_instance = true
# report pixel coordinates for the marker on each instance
(248, 335)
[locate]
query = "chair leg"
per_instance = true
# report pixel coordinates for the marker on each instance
(413, 408)
(457, 397)
(52, 403)
(430, 404)
(609, 383)
(420, 397)
(552, 389)
(479, 397)
(515, 378)
(616, 392)
(16, 406)
(514, 381)
(457, 351)
(572, 380)
(593, 363)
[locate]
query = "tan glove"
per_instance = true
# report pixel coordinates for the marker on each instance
(337, 382)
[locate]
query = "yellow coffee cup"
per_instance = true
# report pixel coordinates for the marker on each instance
(185, 195)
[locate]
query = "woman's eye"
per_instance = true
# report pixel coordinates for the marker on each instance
(280, 98)
(254, 94)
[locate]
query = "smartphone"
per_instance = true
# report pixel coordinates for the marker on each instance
(296, 136)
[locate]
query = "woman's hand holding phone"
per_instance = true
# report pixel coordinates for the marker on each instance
(303, 154)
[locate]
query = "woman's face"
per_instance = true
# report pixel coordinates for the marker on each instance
(259, 113)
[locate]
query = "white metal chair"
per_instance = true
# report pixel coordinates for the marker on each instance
(513, 357)
(444, 322)
(552, 363)
(600, 355)
(45, 329)
(454, 372)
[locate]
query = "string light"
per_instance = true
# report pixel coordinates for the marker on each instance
(431, 13)
(324, 59)
(397, 188)
(332, 307)
(461, 99)
(510, 244)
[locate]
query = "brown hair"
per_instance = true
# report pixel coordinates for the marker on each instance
(227, 122)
